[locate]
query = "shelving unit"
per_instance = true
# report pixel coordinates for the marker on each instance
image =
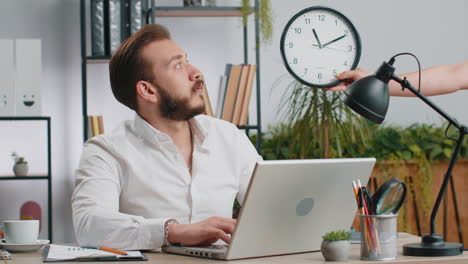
(47, 177)
(150, 16)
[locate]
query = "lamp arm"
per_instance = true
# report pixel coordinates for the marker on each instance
(462, 132)
(407, 85)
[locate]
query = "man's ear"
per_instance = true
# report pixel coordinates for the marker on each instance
(146, 91)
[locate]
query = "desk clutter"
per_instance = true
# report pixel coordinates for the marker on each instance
(5, 255)
(378, 218)
(71, 253)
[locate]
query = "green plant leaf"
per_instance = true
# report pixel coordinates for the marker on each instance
(436, 151)
(415, 149)
(448, 152)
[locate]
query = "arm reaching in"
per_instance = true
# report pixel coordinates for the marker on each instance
(437, 80)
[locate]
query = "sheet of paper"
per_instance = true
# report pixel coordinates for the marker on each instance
(59, 252)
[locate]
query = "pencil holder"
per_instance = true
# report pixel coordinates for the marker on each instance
(378, 237)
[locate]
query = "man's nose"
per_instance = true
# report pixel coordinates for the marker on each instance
(195, 74)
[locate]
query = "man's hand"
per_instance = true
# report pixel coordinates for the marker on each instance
(205, 232)
(348, 78)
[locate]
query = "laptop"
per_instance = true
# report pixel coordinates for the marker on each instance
(289, 206)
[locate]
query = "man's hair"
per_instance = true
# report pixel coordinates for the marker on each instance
(127, 67)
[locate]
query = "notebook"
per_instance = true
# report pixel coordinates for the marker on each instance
(6, 254)
(72, 253)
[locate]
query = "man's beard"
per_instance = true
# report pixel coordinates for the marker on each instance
(179, 108)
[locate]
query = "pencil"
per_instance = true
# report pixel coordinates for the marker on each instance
(371, 222)
(362, 211)
(113, 251)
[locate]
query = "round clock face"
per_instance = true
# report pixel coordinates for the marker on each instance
(319, 43)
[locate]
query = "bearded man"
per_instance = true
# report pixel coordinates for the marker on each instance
(171, 175)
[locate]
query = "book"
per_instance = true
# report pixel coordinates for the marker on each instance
(221, 94)
(55, 252)
(94, 125)
(240, 94)
(100, 124)
(98, 17)
(208, 108)
(227, 72)
(231, 92)
(248, 93)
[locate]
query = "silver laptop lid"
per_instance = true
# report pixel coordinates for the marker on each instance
(290, 204)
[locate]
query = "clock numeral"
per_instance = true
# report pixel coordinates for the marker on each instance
(336, 22)
(291, 45)
(321, 17)
(307, 20)
(298, 30)
(306, 70)
(295, 61)
(335, 72)
(319, 76)
(345, 63)
(350, 47)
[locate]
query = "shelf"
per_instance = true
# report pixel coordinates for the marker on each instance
(38, 177)
(180, 11)
(24, 118)
(97, 59)
(152, 13)
(248, 127)
(48, 176)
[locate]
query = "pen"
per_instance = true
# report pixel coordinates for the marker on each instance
(359, 201)
(370, 221)
(113, 250)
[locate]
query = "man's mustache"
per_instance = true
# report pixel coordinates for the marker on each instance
(197, 84)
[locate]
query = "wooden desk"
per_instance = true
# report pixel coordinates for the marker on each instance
(308, 258)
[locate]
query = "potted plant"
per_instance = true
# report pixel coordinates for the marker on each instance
(21, 167)
(335, 245)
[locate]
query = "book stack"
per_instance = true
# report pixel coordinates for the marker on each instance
(235, 92)
(95, 126)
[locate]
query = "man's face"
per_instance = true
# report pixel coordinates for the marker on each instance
(178, 83)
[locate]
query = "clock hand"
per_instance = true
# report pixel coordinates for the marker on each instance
(332, 41)
(345, 51)
(317, 38)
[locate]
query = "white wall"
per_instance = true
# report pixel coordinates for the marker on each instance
(433, 30)
(47, 20)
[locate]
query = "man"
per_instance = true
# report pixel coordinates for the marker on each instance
(169, 176)
(437, 80)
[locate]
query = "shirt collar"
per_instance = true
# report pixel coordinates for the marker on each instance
(146, 131)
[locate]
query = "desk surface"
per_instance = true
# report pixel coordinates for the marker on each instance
(307, 258)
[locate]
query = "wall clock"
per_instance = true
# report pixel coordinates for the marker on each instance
(319, 43)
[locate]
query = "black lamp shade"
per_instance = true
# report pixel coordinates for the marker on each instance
(369, 98)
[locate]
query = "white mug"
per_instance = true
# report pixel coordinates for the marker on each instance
(21, 231)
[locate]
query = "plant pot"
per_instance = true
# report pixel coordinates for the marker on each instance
(21, 169)
(335, 250)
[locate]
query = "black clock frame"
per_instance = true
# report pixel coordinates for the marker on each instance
(351, 26)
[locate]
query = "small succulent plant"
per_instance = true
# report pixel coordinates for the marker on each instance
(337, 235)
(18, 159)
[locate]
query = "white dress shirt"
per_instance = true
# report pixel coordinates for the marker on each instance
(132, 180)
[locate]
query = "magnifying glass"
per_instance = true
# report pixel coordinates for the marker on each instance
(389, 197)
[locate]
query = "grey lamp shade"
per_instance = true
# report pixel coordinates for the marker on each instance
(369, 98)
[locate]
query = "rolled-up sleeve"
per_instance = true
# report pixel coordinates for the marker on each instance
(95, 204)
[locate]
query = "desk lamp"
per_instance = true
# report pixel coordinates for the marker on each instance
(369, 97)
